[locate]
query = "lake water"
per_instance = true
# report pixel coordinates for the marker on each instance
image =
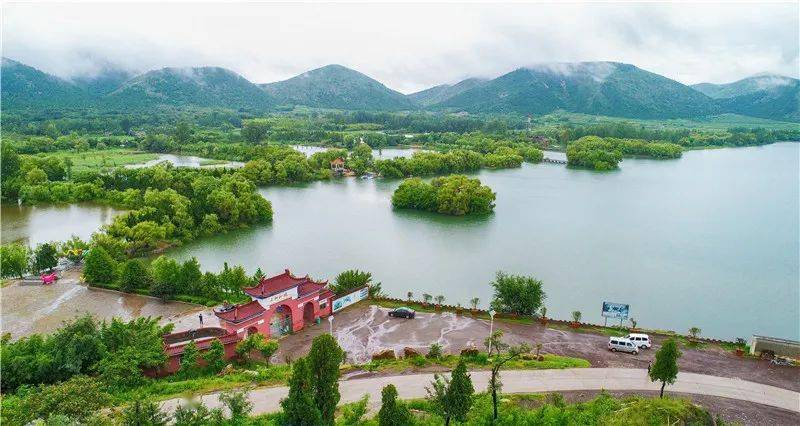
(383, 154)
(186, 161)
(709, 240)
(39, 224)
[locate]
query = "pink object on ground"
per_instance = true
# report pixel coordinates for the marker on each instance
(49, 279)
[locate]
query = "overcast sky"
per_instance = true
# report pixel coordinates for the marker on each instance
(407, 47)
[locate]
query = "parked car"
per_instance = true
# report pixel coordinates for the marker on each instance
(402, 312)
(623, 345)
(640, 340)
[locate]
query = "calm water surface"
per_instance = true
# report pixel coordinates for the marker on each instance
(39, 224)
(710, 240)
(383, 154)
(185, 161)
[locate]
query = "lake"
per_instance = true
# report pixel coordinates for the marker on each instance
(382, 154)
(190, 161)
(57, 222)
(709, 240)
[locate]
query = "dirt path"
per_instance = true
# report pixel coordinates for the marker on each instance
(267, 400)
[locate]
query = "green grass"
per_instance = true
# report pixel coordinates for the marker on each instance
(477, 362)
(102, 159)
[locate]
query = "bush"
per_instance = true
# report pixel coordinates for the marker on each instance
(455, 195)
(435, 351)
(517, 294)
(99, 267)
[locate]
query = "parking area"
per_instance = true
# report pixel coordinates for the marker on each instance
(363, 330)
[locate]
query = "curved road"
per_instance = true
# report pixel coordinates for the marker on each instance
(267, 400)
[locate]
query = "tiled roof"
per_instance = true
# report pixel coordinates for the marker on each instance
(241, 313)
(204, 344)
(278, 283)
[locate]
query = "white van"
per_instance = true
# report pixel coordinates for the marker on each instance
(640, 340)
(622, 344)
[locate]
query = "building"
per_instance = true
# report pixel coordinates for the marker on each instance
(337, 165)
(279, 305)
(772, 346)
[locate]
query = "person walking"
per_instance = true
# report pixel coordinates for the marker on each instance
(201, 324)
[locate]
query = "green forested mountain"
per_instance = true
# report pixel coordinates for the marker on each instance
(338, 87)
(205, 87)
(24, 86)
(443, 92)
(606, 88)
(764, 95)
(104, 82)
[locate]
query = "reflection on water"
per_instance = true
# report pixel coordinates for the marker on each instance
(710, 240)
(378, 154)
(43, 223)
(187, 161)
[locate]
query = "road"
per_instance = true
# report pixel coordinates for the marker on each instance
(267, 400)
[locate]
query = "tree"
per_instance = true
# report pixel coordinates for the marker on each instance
(439, 299)
(254, 131)
(134, 275)
(166, 275)
(665, 369)
(35, 176)
(143, 413)
(215, 356)
(237, 404)
(576, 316)
(410, 295)
(452, 398)
(694, 332)
(517, 294)
(350, 280)
(99, 266)
(426, 298)
(299, 408)
(189, 359)
(183, 132)
(474, 302)
(503, 353)
(45, 257)
(14, 259)
(392, 412)
(324, 360)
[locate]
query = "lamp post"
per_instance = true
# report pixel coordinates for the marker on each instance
(491, 327)
(330, 320)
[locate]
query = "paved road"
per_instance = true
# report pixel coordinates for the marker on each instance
(267, 400)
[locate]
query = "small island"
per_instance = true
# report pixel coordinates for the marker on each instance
(455, 195)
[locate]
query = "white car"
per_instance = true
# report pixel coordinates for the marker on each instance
(623, 345)
(640, 340)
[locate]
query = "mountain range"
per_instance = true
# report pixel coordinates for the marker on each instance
(602, 88)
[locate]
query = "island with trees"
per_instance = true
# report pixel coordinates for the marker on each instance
(455, 195)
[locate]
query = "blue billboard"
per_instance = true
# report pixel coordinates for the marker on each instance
(615, 310)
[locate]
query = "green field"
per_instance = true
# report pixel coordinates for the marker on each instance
(102, 159)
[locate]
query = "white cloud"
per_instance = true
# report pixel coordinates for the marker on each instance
(407, 47)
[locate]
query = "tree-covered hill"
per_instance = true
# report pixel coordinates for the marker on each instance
(606, 88)
(443, 92)
(24, 87)
(204, 86)
(764, 95)
(338, 87)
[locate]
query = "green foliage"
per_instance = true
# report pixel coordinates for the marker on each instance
(143, 413)
(99, 266)
(166, 274)
(214, 356)
(349, 280)
(189, 359)
(665, 368)
(324, 360)
(517, 294)
(256, 342)
(14, 260)
(255, 131)
(76, 398)
(435, 351)
(299, 407)
(237, 404)
(452, 195)
(134, 275)
(452, 398)
(45, 257)
(393, 412)
(353, 413)
(594, 153)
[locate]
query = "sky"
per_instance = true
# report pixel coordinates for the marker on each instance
(408, 47)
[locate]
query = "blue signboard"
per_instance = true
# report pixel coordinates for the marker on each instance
(349, 299)
(615, 310)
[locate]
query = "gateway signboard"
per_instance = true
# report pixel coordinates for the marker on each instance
(351, 298)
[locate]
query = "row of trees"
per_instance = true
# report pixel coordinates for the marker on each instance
(455, 195)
